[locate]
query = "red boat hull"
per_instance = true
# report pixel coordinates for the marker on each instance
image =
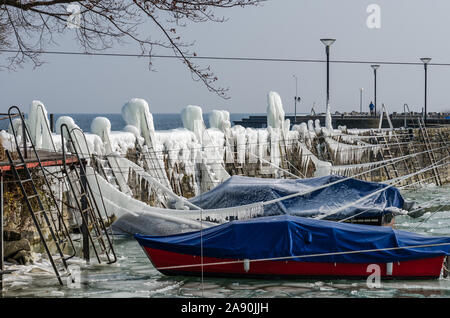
(170, 263)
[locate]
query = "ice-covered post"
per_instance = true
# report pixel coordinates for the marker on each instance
(101, 126)
(136, 113)
(219, 119)
(275, 111)
(39, 128)
(52, 123)
(192, 118)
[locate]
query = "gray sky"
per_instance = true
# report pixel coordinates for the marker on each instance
(410, 29)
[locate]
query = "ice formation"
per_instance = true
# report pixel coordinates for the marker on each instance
(101, 126)
(275, 111)
(135, 216)
(137, 113)
(328, 121)
(70, 123)
(311, 126)
(86, 144)
(38, 126)
(16, 128)
(192, 118)
(7, 140)
(198, 156)
(317, 128)
(219, 119)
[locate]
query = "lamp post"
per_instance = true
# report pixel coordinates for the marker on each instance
(375, 67)
(360, 99)
(425, 61)
(328, 43)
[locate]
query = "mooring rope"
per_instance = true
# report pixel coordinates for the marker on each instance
(396, 180)
(338, 181)
(426, 219)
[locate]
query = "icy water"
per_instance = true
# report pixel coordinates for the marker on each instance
(134, 276)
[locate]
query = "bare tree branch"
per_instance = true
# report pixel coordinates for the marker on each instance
(29, 27)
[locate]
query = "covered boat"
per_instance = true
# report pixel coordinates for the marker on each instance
(334, 197)
(290, 246)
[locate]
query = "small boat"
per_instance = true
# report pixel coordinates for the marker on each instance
(296, 247)
(369, 203)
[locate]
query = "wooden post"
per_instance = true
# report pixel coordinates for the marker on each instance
(52, 123)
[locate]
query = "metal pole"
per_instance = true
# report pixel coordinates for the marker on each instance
(24, 137)
(404, 113)
(360, 100)
(328, 73)
(425, 115)
(84, 206)
(295, 110)
(375, 92)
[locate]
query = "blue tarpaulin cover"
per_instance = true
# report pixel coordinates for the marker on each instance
(239, 190)
(286, 236)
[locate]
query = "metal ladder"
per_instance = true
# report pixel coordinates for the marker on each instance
(386, 154)
(431, 157)
(106, 171)
(413, 161)
(43, 219)
(93, 228)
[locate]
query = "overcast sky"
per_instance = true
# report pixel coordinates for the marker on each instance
(288, 29)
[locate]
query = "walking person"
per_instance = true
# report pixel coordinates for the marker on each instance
(371, 107)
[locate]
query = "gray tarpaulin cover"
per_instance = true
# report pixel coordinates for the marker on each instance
(239, 190)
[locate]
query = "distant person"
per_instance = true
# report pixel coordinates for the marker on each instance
(371, 107)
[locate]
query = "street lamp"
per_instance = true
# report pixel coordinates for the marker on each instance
(375, 67)
(425, 61)
(296, 99)
(328, 43)
(360, 99)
